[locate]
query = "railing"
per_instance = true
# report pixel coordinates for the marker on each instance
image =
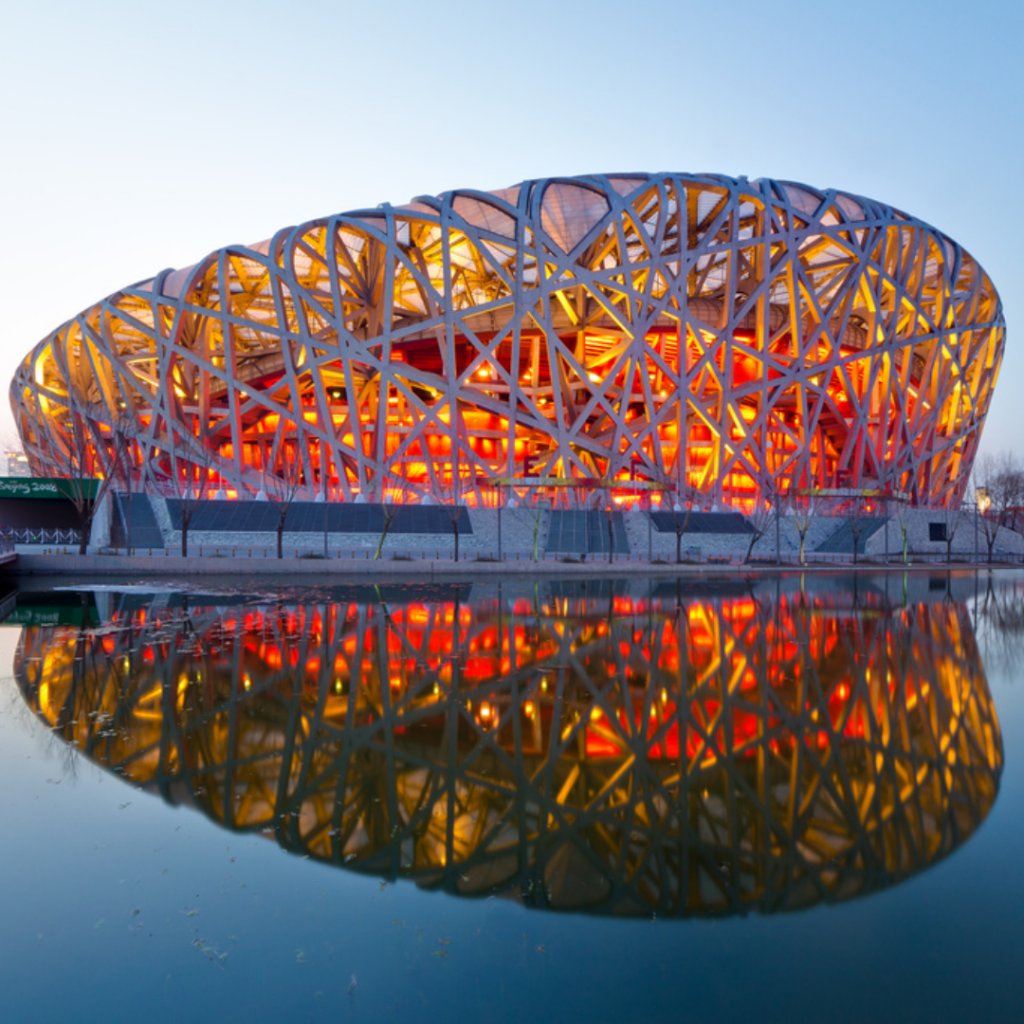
(53, 538)
(788, 561)
(27, 535)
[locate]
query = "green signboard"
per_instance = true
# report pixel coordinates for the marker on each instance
(55, 609)
(38, 487)
(43, 616)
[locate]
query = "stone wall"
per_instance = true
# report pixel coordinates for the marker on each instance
(519, 526)
(968, 536)
(727, 545)
(517, 537)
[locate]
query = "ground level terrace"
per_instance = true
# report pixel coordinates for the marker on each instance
(152, 524)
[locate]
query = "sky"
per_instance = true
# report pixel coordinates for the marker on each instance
(138, 136)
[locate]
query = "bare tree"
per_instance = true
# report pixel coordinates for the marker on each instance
(760, 519)
(802, 520)
(682, 509)
(903, 522)
(450, 500)
(531, 513)
(389, 511)
(74, 463)
(858, 522)
(281, 490)
(952, 519)
(999, 491)
(193, 475)
(449, 497)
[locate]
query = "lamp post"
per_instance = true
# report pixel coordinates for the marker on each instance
(778, 532)
(885, 504)
(499, 522)
(650, 495)
(323, 474)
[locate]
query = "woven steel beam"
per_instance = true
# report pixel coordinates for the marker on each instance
(738, 338)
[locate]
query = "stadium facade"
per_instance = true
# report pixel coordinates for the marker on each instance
(724, 339)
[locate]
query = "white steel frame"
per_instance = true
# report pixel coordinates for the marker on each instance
(564, 331)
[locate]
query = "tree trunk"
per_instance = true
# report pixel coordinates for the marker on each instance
(802, 561)
(679, 547)
(184, 534)
(83, 536)
(455, 532)
(280, 538)
(611, 537)
(754, 538)
(389, 515)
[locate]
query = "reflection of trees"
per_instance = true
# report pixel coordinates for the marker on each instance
(593, 752)
(999, 611)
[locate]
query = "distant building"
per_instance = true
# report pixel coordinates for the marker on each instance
(17, 464)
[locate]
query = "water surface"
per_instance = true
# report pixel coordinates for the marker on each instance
(611, 799)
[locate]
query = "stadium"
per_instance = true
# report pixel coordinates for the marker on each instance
(729, 342)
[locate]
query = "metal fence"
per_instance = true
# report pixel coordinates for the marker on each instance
(26, 535)
(692, 557)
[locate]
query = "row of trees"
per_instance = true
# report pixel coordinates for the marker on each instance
(998, 484)
(995, 498)
(994, 501)
(86, 482)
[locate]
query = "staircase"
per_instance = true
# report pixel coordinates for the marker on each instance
(586, 533)
(840, 541)
(145, 530)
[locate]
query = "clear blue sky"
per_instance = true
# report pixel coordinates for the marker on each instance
(138, 136)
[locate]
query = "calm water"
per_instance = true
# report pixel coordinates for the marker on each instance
(615, 801)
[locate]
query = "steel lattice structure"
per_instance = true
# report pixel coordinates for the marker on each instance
(598, 753)
(738, 337)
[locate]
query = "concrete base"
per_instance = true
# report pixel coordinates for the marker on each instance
(515, 531)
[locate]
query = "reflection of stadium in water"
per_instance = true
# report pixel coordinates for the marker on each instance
(678, 754)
